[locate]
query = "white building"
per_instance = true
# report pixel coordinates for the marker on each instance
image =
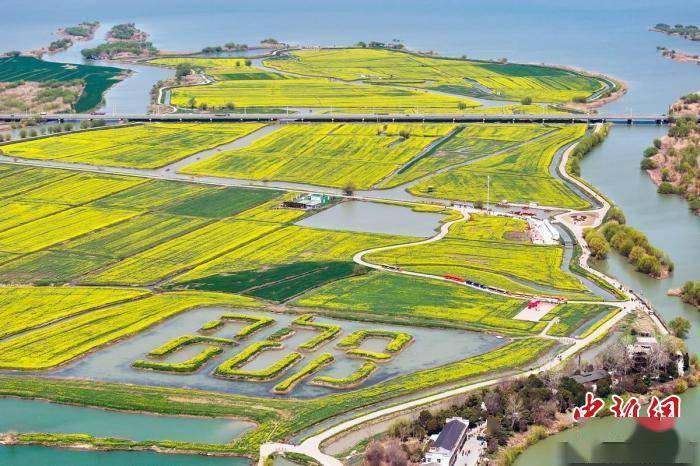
(457, 444)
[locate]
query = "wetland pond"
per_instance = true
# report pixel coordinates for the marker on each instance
(37, 455)
(374, 217)
(19, 415)
(430, 348)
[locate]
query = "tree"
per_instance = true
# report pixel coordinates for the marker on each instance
(680, 326)
(182, 69)
(461, 106)
(349, 188)
(526, 101)
(657, 357)
(514, 409)
(604, 387)
(248, 62)
(636, 253)
(649, 264)
(492, 400)
(395, 454)
(374, 456)
(192, 103)
(599, 247)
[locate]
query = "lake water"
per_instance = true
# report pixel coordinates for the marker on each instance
(375, 218)
(39, 456)
(38, 416)
(598, 35)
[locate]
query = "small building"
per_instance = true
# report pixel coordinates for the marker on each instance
(309, 201)
(449, 445)
(639, 351)
(590, 379)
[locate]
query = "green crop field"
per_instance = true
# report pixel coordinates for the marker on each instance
(480, 252)
(150, 145)
(325, 154)
(393, 298)
(97, 79)
(573, 316)
(521, 175)
(457, 76)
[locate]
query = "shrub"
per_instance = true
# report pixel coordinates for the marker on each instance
(680, 326)
(649, 264)
(648, 164)
(526, 100)
(666, 188)
(650, 151)
(680, 387)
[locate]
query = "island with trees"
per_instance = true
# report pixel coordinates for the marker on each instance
(673, 162)
(690, 32)
(123, 42)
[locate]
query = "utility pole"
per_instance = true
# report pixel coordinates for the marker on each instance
(488, 191)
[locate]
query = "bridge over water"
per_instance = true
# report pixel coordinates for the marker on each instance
(590, 118)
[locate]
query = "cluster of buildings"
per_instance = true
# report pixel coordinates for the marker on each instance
(309, 201)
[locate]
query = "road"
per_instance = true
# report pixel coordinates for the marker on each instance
(588, 118)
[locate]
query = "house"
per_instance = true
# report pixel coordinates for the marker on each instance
(457, 441)
(309, 201)
(590, 379)
(639, 351)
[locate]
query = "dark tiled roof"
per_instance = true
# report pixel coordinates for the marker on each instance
(586, 377)
(449, 435)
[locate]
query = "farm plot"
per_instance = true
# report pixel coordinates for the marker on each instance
(150, 145)
(97, 79)
(284, 248)
(456, 76)
(70, 338)
(216, 203)
(24, 308)
(153, 195)
(13, 213)
(79, 189)
(574, 316)
(17, 181)
(96, 250)
(221, 69)
(53, 229)
(485, 258)
(310, 93)
(393, 298)
(325, 154)
(470, 142)
(184, 252)
(521, 175)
